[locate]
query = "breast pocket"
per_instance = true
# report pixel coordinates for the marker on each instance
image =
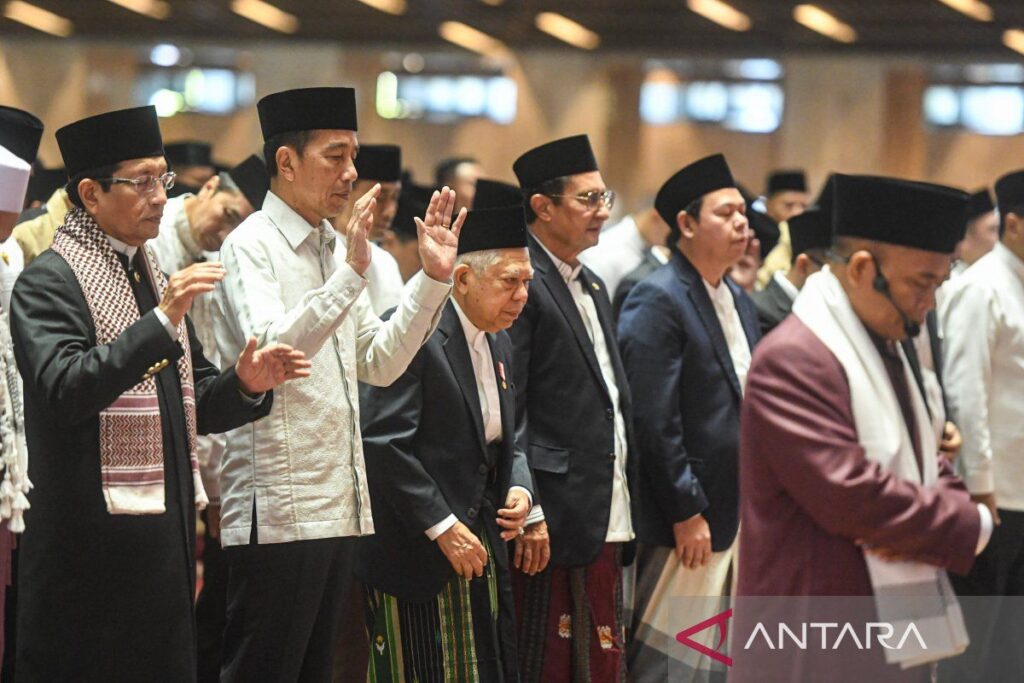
(547, 459)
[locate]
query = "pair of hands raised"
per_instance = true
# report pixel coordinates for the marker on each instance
(438, 236)
(258, 370)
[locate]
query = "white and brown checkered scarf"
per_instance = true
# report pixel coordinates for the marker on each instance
(131, 441)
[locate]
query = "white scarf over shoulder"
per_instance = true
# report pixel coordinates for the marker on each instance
(904, 591)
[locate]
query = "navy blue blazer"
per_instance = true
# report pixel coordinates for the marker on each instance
(565, 417)
(686, 402)
(426, 458)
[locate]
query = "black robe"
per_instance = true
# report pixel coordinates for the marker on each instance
(105, 597)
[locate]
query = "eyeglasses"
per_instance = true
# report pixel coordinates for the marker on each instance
(592, 199)
(145, 183)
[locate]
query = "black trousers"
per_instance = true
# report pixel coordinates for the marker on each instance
(285, 604)
(992, 597)
(211, 608)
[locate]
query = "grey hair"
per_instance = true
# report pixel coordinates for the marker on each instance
(227, 183)
(479, 261)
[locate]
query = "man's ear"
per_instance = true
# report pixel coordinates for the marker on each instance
(460, 277)
(541, 205)
(687, 224)
(862, 269)
(88, 189)
(286, 158)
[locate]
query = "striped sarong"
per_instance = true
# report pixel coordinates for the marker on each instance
(450, 639)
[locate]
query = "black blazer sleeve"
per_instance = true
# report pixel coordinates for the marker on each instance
(521, 334)
(653, 342)
(56, 351)
(390, 418)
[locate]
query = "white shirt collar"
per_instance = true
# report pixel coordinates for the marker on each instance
(121, 247)
(294, 227)
(788, 287)
(568, 273)
(471, 331)
(1011, 259)
(721, 296)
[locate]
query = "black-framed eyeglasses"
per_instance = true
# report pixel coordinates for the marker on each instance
(145, 183)
(593, 199)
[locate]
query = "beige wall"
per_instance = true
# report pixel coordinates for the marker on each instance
(853, 114)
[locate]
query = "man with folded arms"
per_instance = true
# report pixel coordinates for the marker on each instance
(293, 486)
(844, 491)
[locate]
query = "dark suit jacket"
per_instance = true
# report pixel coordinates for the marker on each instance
(565, 418)
(626, 284)
(687, 402)
(96, 582)
(423, 438)
(773, 305)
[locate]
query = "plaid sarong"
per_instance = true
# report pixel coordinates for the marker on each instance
(450, 639)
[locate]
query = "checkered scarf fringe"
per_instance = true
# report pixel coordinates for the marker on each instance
(131, 439)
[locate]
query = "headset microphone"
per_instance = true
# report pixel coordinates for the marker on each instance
(881, 285)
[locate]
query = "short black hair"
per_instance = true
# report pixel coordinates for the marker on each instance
(547, 188)
(296, 139)
(1016, 209)
(692, 209)
(444, 172)
(93, 173)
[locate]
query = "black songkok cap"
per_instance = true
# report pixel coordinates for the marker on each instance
(379, 162)
(501, 228)
(691, 183)
(493, 194)
(191, 153)
(903, 212)
(307, 109)
(409, 208)
(1010, 192)
(20, 133)
(782, 181)
(252, 179)
(765, 229)
(980, 203)
(564, 157)
(811, 229)
(44, 182)
(110, 138)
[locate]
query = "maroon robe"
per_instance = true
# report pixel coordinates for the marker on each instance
(808, 492)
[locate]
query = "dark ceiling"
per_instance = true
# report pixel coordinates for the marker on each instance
(654, 27)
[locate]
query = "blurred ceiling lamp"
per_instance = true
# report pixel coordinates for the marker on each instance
(1014, 39)
(265, 14)
(154, 9)
(975, 9)
(390, 6)
(492, 3)
(822, 22)
(38, 18)
(567, 30)
(720, 13)
(467, 37)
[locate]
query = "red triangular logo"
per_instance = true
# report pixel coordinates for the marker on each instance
(722, 620)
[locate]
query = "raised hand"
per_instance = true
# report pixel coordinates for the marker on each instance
(358, 230)
(262, 370)
(186, 285)
(439, 236)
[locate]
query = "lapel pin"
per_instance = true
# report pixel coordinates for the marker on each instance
(138, 277)
(595, 285)
(501, 373)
